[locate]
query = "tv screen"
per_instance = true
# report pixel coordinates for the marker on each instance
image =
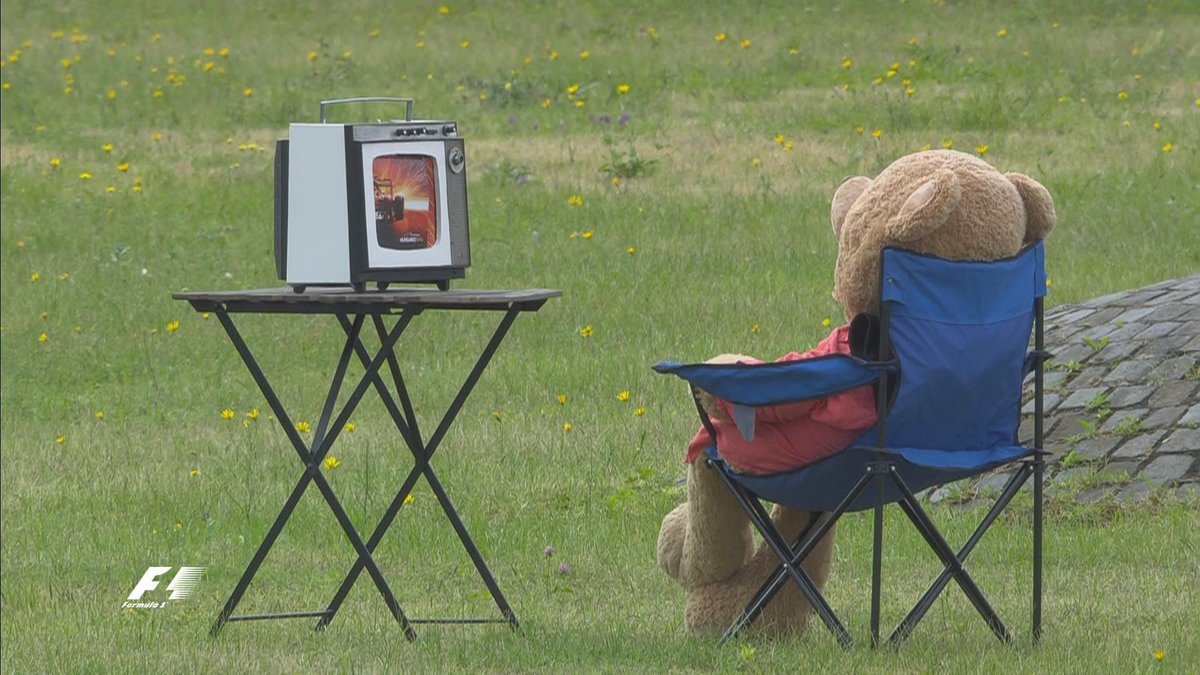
(405, 201)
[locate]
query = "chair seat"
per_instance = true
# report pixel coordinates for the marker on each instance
(822, 485)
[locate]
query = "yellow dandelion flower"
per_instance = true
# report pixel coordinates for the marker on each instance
(567, 426)
(586, 331)
(110, 189)
(527, 60)
(172, 326)
(755, 329)
(312, 55)
(123, 167)
(409, 499)
(373, 34)
(744, 44)
(55, 162)
(579, 103)
(464, 44)
(99, 414)
(248, 92)
(859, 129)
(639, 411)
(107, 147)
(224, 53)
(443, 10)
(1157, 125)
(553, 55)
(349, 428)
(252, 414)
(622, 88)
(1122, 95)
(631, 250)
(496, 415)
(35, 277)
(208, 66)
(43, 337)
(227, 414)
(157, 93)
(1159, 655)
(6, 86)
(587, 234)
(575, 200)
(1003, 32)
(210, 51)
(584, 54)
(194, 472)
(877, 133)
(303, 427)
(981, 149)
(572, 89)
(847, 63)
(545, 103)
(1168, 147)
(332, 462)
(561, 398)
(948, 143)
(719, 37)
(85, 176)
(60, 439)
(755, 162)
(825, 323)
(623, 395)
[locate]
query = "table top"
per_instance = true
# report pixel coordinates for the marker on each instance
(337, 300)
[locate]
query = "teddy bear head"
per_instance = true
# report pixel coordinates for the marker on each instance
(940, 202)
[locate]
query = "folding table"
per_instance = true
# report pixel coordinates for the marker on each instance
(353, 310)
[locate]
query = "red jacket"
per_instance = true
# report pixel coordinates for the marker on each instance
(791, 435)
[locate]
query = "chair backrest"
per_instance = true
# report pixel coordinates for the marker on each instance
(960, 331)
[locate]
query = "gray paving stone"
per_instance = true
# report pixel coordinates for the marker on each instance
(1132, 493)
(1168, 394)
(1094, 495)
(1191, 417)
(1049, 403)
(1187, 491)
(1175, 368)
(1123, 422)
(1163, 418)
(1166, 469)
(1182, 440)
(1129, 396)
(1133, 315)
(1081, 397)
(1138, 447)
(1158, 330)
(1166, 346)
(1165, 313)
(1130, 371)
(1169, 298)
(1118, 351)
(1097, 447)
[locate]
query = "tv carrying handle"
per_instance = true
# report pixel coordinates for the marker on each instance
(408, 104)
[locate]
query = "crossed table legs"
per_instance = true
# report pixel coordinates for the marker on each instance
(405, 420)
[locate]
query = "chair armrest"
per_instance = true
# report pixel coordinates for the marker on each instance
(762, 384)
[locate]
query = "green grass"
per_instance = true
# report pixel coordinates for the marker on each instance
(731, 251)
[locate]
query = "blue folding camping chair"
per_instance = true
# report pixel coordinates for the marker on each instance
(952, 356)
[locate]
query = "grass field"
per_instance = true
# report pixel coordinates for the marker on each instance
(669, 167)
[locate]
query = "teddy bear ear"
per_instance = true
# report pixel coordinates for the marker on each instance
(847, 193)
(927, 208)
(1039, 207)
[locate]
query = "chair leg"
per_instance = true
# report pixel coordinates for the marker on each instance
(934, 538)
(905, 627)
(877, 553)
(1039, 469)
(762, 522)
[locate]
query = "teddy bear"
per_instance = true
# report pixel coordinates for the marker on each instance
(939, 202)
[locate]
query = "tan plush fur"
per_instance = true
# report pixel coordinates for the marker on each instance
(941, 202)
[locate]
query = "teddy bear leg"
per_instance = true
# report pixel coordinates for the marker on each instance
(708, 537)
(714, 608)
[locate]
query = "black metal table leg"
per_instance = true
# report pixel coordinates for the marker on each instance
(406, 423)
